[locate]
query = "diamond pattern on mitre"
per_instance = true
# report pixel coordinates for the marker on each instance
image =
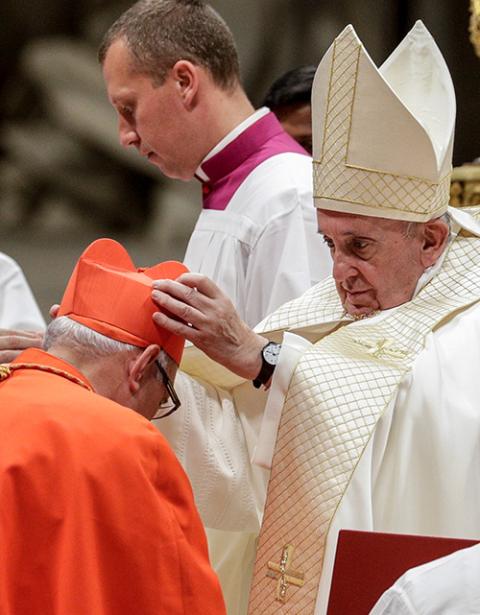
(375, 189)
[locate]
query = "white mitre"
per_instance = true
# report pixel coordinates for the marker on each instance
(383, 137)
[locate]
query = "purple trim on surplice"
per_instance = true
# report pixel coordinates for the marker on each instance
(230, 167)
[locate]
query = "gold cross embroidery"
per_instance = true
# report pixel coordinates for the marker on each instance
(286, 576)
(382, 349)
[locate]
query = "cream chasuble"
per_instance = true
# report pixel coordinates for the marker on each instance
(339, 389)
(348, 385)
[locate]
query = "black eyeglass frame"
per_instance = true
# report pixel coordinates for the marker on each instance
(171, 392)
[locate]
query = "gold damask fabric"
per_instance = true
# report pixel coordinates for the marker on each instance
(315, 310)
(340, 388)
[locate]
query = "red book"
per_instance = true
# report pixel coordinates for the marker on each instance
(368, 563)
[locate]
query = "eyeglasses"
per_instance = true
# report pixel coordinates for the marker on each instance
(168, 406)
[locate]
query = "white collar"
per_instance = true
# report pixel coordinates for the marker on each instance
(231, 136)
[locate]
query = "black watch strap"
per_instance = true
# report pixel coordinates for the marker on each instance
(269, 355)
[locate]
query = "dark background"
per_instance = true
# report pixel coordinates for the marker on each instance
(64, 178)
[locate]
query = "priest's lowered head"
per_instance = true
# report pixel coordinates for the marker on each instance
(97, 514)
(172, 74)
(371, 377)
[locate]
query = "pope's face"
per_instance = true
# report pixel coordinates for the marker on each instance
(376, 262)
(151, 117)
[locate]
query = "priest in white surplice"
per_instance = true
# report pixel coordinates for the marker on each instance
(18, 308)
(370, 418)
(449, 585)
(182, 105)
(21, 322)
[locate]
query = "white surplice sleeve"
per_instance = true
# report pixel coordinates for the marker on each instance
(293, 346)
(213, 443)
(449, 585)
(217, 433)
(18, 308)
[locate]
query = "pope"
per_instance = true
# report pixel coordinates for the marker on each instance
(370, 418)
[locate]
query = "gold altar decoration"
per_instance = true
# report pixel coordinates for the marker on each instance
(465, 186)
(475, 25)
(465, 183)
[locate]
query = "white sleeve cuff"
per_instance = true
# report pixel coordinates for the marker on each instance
(293, 346)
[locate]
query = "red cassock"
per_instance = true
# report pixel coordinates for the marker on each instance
(96, 514)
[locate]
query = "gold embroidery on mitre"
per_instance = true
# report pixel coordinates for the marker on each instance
(285, 574)
(335, 179)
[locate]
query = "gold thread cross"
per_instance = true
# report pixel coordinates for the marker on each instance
(382, 349)
(286, 576)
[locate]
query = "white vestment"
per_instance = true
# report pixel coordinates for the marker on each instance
(421, 461)
(263, 249)
(449, 586)
(18, 308)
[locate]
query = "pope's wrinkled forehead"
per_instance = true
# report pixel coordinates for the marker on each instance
(347, 224)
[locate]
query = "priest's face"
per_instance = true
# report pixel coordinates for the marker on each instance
(376, 262)
(151, 117)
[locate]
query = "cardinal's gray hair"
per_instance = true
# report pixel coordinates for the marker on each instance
(64, 331)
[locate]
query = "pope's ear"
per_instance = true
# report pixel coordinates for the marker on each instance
(186, 76)
(435, 236)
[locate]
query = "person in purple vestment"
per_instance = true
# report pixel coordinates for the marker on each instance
(172, 73)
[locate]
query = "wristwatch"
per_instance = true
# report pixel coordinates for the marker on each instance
(269, 354)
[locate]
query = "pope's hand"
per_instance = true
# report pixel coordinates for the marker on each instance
(203, 314)
(13, 342)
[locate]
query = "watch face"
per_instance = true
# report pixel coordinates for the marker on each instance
(271, 352)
